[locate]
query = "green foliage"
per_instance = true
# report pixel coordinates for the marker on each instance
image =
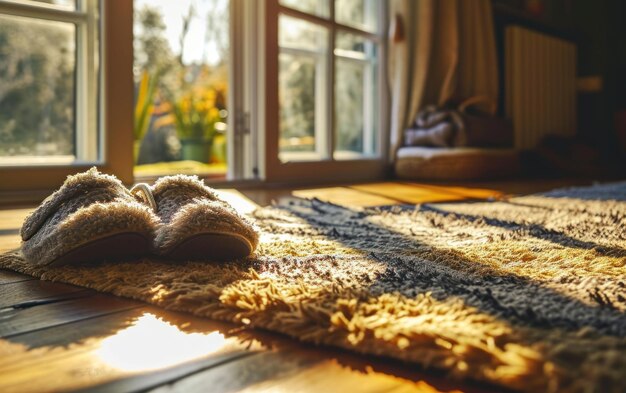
(196, 114)
(153, 53)
(144, 104)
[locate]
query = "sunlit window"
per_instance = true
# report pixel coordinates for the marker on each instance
(49, 68)
(181, 86)
(328, 79)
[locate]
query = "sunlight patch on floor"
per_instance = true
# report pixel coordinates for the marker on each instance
(237, 200)
(344, 196)
(151, 343)
(187, 167)
(413, 193)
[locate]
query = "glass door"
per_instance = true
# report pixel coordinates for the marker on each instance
(182, 86)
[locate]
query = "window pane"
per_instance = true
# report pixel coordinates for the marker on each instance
(37, 89)
(354, 46)
(297, 103)
(356, 97)
(181, 72)
(303, 35)
(362, 14)
(315, 7)
(302, 89)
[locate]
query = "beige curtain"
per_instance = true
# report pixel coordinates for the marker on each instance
(438, 49)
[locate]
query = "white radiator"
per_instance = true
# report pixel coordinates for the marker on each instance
(540, 86)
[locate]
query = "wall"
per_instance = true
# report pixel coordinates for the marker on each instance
(600, 33)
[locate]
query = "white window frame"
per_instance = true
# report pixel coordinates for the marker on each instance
(328, 166)
(322, 114)
(88, 140)
(245, 90)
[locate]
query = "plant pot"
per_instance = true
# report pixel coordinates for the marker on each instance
(195, 149)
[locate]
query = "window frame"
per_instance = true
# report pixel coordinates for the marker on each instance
(328, 168)
(114, 116)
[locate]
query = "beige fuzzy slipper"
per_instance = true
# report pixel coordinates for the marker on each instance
(196, 224)
(91, 217)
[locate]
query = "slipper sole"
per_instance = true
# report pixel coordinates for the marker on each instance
(114, 247)
(212, 247)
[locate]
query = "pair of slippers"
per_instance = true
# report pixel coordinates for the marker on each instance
(94, 217)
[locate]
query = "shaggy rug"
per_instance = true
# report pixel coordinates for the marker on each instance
(527, 293)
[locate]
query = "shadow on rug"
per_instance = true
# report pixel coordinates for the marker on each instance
(528, 293)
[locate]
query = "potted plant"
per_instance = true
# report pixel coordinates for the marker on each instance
(195, 115)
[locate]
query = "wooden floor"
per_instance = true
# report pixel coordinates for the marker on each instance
(57, 337)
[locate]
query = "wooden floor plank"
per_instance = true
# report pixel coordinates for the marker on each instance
(465, 192)
(109, 324)
(12, 219)
(414, 193)
(345, 196)
(8, 276)
(9, 242)
(10, 223)
(17, 321)
(94, 371)
(141, 382)
(242, 374)
(87, 335)
(78, 331)
(304, 369)
(126, 351)
(286, 362)
(19, 294)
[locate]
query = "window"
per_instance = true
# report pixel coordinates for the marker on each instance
(66, 78)
(328, 79)
(49, 67)
(305, 94)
